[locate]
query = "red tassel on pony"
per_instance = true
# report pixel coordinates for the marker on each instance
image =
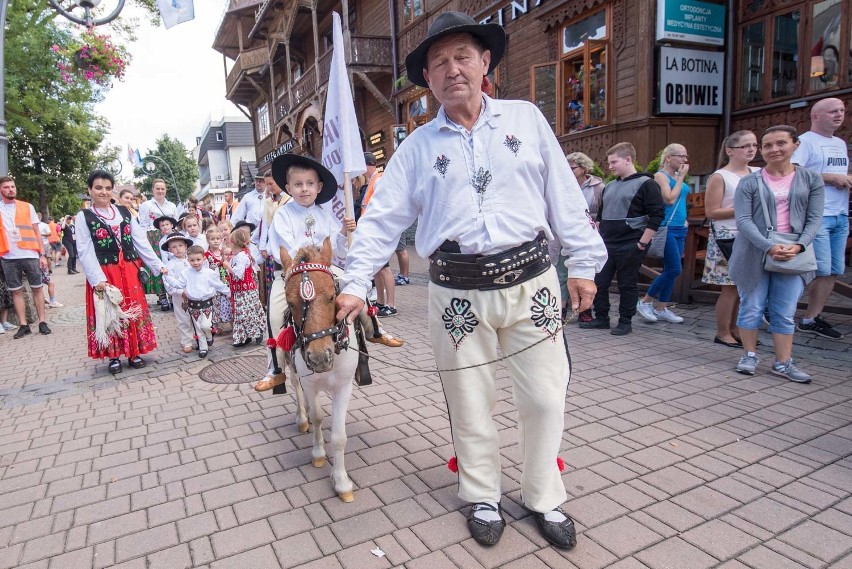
(453, 464)
(287, 339)
(560, 464)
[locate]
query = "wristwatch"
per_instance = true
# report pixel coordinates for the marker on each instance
(644, 245)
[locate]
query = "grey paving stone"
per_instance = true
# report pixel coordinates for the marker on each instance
(172, 558)
(145, 542)
(705, 502)
(241, 538)
(720, 540)
(770, 515)
(260, 557)
(674, 553)
(296, 550)
(818, 540)
(196, 526)
(764, 558)
(623, 536)
(113, 528)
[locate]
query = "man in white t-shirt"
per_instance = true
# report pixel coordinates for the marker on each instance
(828, 155)
(21, 254)
(250, 208)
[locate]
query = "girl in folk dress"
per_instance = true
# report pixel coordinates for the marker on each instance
(222, 314)
(249, 318)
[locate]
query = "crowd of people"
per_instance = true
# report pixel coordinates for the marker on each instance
(491, 247)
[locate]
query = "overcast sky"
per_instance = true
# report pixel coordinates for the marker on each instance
(174, 85)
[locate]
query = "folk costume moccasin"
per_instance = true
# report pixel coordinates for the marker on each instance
(484, 532)
(269, 382)
(561, 534)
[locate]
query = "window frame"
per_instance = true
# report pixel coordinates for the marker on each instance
(768, 15)
(263, 123)
(584, 51)
(414, 17)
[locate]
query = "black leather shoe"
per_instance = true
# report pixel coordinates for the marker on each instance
(561, 534)
(136, 363)
(114, 366)
(596, 324)
(485, 533)
(43, 328)
(622, 329)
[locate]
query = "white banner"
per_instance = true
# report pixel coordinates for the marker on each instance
(176, 12)
(341, 142)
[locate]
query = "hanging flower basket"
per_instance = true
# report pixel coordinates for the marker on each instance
(92, 57)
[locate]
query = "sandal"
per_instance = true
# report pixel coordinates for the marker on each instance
(114, 366)
(136, 363)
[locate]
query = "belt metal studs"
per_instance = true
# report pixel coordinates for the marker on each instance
(507, 278)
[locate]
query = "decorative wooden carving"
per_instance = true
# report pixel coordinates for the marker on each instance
(593, 143)
(618, 25)
(568, 10)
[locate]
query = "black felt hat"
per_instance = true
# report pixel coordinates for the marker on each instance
(492, 35)
(281, 164)
(240, 224)
(176, 236)
(165, 218)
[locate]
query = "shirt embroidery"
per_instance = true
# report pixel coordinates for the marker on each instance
(441, 165)
(512, 143)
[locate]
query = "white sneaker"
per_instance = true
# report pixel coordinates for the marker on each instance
(2, 330)
(646, 310)
(8, 326)
(55, 304)
(667, 315)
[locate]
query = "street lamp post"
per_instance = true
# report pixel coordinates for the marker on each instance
(151, 168)
(87, 20)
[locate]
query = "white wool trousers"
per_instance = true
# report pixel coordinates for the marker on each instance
(203, 329)
(184, 322)
(466, 326)
(275, 310)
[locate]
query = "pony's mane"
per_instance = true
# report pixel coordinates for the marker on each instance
(308, 254)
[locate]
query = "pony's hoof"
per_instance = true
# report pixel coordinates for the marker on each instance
(346, 496)
(304, 427)
(318, 462)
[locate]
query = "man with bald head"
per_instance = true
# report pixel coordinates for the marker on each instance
(828, 155)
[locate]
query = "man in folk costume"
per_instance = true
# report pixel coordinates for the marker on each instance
(489, 185)
(21, 254)
(250, 207)
(151, 210)
(275, 197)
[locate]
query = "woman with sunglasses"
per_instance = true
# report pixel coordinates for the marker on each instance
(674, 163)
(737, 151)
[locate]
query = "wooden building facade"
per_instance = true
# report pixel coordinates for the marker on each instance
(601, 71)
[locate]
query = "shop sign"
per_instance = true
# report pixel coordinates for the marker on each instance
(286, 147)
(511, 11)
(691, 21)
(691, 81)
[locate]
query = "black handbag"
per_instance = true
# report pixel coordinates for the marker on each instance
(726, 246)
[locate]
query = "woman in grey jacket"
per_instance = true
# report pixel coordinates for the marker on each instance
(794, 198)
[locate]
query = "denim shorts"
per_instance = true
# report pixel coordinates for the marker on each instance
(16, 269)
(830, 245)
(779, 293)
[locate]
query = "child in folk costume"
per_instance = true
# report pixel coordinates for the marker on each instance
(176, 244)
(192, 228)
(165, 225)
(215, 255)
(200, 285)
(248, 313)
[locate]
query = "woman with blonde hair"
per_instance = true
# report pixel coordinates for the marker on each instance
(737, 151)
(674, 166)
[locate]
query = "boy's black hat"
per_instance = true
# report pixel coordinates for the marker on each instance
(240, 224)
(176, 236)
(165, 218)
(281, 164)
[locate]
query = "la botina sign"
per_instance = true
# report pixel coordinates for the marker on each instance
(691, 81)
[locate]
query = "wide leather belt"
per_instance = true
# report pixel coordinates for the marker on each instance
(200, 304)
(490, 272)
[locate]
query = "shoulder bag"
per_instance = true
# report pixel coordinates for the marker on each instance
(726, 246)
(657, 248)
(804, 262)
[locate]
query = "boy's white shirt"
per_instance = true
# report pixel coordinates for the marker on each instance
(201, 284)
(173, 278)
(290, 230)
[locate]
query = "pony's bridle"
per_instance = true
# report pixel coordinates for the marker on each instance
(307, 292)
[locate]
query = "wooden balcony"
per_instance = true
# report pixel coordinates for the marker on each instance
(369, 53)
(236, 89)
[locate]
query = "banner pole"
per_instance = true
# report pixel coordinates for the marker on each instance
(348, 202)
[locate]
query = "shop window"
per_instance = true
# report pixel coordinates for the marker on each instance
(417, 110)
(825, 46)
(263, 121)
(544, 91)
(793, 50)
(411, 10)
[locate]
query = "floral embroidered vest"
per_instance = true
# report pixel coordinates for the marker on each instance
(248, 282)
(106, 246)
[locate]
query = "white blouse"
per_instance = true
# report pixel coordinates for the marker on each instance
(86, 249)
(201, 284)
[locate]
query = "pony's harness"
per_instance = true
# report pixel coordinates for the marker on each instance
(307, 292)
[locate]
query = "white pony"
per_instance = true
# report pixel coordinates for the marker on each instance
(318, 360)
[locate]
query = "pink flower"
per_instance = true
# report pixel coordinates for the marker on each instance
(127, 230)
(101, 233)
(55, 48)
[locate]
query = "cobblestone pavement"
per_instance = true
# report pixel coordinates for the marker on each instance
(673, 459)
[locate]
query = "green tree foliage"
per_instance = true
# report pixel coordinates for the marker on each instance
(185, 170)
(53, 130)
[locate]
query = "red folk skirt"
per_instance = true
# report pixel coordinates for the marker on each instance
(138, 337)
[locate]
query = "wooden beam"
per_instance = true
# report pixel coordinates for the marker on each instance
(371, 87)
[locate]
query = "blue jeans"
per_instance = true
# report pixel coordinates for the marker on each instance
(830, 245)
(562, 275)
(662, 287)
(775, 291)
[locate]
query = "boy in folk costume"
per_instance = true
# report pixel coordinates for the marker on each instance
(166, 226)
(199, 285)
(176, 244)
(300, 222)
